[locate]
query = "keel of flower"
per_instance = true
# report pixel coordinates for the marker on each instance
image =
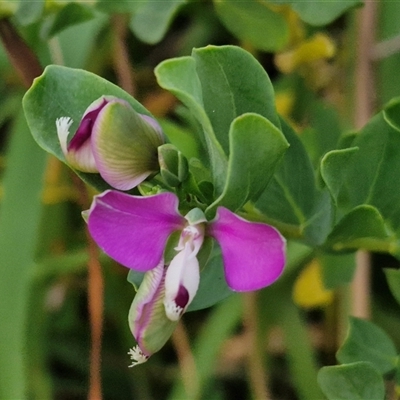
(183, 274)
(137, 356)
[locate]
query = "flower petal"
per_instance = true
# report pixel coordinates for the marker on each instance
(181, 282)
(147, 319)
(253, 253)
(133, 230)
(124, 145)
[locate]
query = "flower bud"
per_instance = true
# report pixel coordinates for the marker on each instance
(113, 140)
(174, 167)
(148, 321)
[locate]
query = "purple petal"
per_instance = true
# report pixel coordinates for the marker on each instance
(253, 253)
(133, 230)
(84, 130)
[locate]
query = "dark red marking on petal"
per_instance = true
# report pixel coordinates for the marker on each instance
(182, 297)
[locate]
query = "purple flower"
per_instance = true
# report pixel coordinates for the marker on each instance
(134, 231)
(113, 140)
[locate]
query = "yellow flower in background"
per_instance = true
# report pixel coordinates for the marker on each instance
(284, 101)
(318, 47)
(308, 290)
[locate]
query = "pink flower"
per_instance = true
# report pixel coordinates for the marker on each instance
(134, 231)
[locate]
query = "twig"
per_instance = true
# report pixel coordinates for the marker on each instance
(256, 370)
(364, 103)
(20, 55)
(386, 48)
(95, 301)
(186, 361)
(121, 55)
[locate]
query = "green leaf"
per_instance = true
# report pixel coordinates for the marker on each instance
(391, 113)
(120, 6)
(233, 83)
(254, 22)
(60, 92)
(21, 208)
(213, 287)
(151, 21)
(363, 227)
(29, 11)
(354, 381)
(373, 174)
(320, 12)
(333, 169)
(393, 279)
(337, 269)
(179, 76)
(256, 147)
(218, 84)
(324, 129)
(291, 201)
(367, 342)
(181, 138)
(71, 14)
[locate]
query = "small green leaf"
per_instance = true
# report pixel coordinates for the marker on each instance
(213, 287)
(120, 6)
(71, 14)
(393, 279)
(373, 174)
(179, 76)
(363, 227)
(151, 21)
(356, 381)
(337, 269)
(66, 92)
(29, 11)
(320, 12)
(391, 113)
(256, 147)
(291, 200)
(254, 22)
(366, 341)
(333, 169)
(233, 83)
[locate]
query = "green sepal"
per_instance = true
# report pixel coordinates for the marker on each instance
(174, 166)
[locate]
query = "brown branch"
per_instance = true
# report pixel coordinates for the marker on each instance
(121, 55)
(256, 370)
(95, 301)
(186, 362)
(364, 107)
(20, 55)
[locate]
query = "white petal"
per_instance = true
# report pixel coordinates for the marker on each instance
(63, 124)
(182, 278)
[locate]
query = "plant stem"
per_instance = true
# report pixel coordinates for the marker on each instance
(256, 370)
(364, 103)
(95, 302)
(186, 361)
(20, 55)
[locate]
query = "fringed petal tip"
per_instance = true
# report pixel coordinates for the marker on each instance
(137, 356)
(253, 253)
(63, 124)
